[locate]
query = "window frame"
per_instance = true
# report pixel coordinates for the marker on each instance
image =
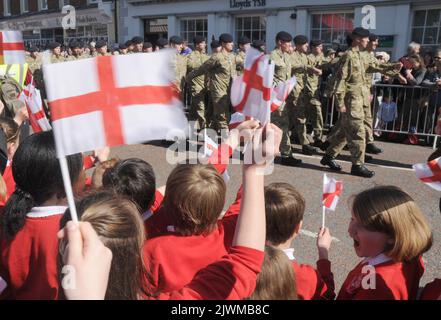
(22, 5)
(185, 33)
(238, 32)
(7, 4)
(424, 27)
(40, 5)
(333, 30)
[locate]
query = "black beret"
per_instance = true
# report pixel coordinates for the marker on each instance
(100, 44)
(162, 42)
(315, 43)
(300, 40)
(122, 46)
(243, 40)
(137, 40)
(147, 45)
(225, 38)
(198, 39)
(176, 40)
(259, 45)
(54, 45)
(75, 44)
(373, 37)
(32, 49)
(284, 36)
(128, 43)
(215, 44)
(360, 32)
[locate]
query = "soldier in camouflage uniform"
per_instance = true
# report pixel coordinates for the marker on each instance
(244, 44)
(215, 48)
(101, 48)
(77, 52)
(179, 64)
(222, 68)
(312, 90)
(197, 86)
(281, 117)
(56, 56)
(299, 102)
(352, 95)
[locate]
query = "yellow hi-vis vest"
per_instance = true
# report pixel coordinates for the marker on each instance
(16, 71)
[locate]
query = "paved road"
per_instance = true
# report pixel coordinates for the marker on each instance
(392, 167)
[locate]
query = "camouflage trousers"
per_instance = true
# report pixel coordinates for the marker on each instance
(299, 107)
(351, 130)
(282, 119)
(368, 124)
(315, 117)
(198, 110)
(221, 112)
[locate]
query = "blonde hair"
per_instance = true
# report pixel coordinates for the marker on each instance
(194, 198)
(120, 227)
(389, 210)
(276, 280)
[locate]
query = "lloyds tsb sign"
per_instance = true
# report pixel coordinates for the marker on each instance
(240, 4)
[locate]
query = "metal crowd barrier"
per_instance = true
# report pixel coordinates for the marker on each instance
(398, 109)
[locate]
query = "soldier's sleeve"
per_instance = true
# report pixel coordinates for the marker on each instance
(343, 74)
(239, 63)
(375, 65)
(297, 66)
(206, 67)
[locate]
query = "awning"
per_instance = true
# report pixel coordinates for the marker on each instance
(53, 20)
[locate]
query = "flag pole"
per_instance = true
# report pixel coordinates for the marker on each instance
(68, 189)
(323, 216)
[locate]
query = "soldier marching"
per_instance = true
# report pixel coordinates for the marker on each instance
(206, 80)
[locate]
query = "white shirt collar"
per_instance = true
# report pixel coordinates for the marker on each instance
(42, 212)
(381, 258)
(289, 253)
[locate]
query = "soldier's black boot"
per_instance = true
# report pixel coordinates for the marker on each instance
(373, 149)
(325, 145)
(308, 150)
(362, 171)
(288, 159)
(368, 158)
(318, 143)
(331, 163)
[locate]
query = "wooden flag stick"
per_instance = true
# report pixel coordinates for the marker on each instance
(323, 216)
(68, 189)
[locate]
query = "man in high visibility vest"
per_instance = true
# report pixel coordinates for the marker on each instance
(16, 71)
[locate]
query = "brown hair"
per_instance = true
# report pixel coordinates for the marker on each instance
(389, 210)
(418, 58)
(276, 280)
(284, 209)
(10, 128)
(119, 226)
(194, 198)
(3, 189)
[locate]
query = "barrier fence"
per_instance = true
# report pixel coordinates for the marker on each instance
(399, 110)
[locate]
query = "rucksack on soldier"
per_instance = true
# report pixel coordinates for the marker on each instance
(9, 91)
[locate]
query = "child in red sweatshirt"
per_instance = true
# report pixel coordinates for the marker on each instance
(30, 222)
(391, 234)
(285, 207)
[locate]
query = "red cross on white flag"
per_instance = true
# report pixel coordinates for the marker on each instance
(430, 173)
(211, 147)
(12, 50)
(113, 100)
(32, 98)
(251, 92)
(331, 192)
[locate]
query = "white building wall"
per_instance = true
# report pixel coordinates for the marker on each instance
(393, 17)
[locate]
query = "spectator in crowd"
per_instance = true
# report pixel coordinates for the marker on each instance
(148, 47)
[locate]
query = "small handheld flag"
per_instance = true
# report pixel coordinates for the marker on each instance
(332, 190)
(430, 173)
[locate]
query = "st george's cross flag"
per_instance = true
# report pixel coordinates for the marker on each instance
(113, 100)
(12, 50)
(251, 92)
(281, 92)
(209, 148)
(332, 190)
(32, 98)
(429, 173)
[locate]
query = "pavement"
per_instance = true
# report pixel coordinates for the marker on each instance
(393, 167)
